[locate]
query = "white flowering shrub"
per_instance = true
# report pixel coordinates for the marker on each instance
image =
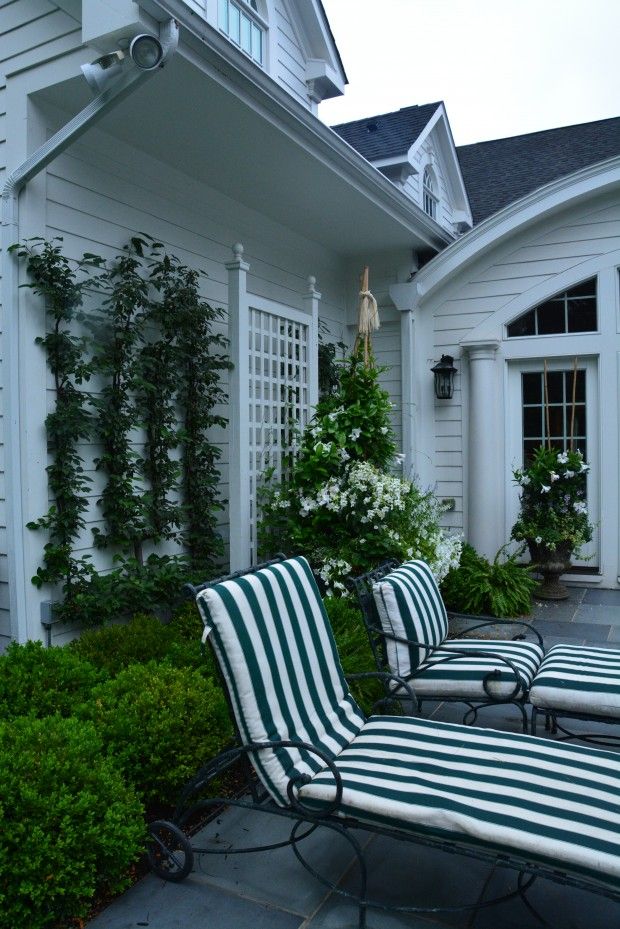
(553, 504)
(342, 507)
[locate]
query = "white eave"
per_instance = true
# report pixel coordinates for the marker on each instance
(217, 116)
(551, 198)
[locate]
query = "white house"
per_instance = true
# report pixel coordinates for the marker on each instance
(221, 156)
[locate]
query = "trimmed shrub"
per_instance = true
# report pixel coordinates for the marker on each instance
(40, 681)
(144, 638)
(160, 723)
(503, 588)
(70, 825)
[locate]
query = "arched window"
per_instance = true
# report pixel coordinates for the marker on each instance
(572, 310)
(429, 192)
(241, 22)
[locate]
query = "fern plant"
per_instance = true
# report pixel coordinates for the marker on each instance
(502, 587)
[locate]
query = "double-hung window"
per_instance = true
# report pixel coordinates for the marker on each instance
(240, 22)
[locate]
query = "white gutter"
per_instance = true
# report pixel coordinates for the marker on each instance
(15, 183)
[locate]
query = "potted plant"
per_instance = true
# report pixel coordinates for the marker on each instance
(553, 521)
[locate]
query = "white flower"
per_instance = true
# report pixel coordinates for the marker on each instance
(384, 430)
(399, 459)
(355, 434)
(344, 455)
(553, 476)
(580, 507)
(525, 480)
(538, 539)
(544, 489)
(563, 458)
(569, 474)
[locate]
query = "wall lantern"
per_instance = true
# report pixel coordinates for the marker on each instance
(444, 372)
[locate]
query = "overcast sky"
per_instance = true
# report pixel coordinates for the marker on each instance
(502, 67)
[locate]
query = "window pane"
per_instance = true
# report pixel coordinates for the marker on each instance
(224, 15)
(524, 325)
(246, 34)
(257, 44)
(533, 422)
(556, 422)
(582, 315)
(555, 386)
(234, 23)
(529, 447)
(579, 428)
(586, 289)
(532, 388)
(551, 317)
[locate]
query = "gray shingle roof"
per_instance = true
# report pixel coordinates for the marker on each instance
(388, 134)
(499, 172)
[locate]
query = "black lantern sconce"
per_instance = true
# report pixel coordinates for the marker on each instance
(444, 372)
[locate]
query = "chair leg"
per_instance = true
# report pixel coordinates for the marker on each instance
(534, 716)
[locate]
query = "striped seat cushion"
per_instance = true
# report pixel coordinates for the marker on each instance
(410, 607)
(550, 803)
(277, 653)
(463, 677)
(579, 679)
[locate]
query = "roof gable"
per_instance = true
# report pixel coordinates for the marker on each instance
(501, 171)
(388, 134)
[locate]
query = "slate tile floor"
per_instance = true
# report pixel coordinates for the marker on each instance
(271, 890)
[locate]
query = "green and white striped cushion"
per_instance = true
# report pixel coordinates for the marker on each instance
(550, 803)
(410, 606)
(462, 677)
(277, 653)
(579, 679)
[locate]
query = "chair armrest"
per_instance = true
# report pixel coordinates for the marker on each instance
(385, 677)
(482, 621)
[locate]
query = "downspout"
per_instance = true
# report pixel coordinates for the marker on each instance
(15, 183)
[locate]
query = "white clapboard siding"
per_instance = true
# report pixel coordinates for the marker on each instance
(101, 192)
(523, 263)
(290, 65)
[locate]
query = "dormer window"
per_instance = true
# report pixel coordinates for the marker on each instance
(240, 22)
(429, 192)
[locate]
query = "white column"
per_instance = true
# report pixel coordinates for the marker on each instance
(239, 399)
(486, 452)
(311, 301)
(404, 297)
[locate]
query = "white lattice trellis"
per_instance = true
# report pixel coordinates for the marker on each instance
(279, 375)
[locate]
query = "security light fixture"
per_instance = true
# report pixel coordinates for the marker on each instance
(145, 51)
(444, 372)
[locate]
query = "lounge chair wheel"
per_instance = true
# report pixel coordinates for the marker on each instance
(169, 851)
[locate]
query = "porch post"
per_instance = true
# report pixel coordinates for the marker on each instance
(404, 297)
(486, 436)
(311, 302)
(239, 400)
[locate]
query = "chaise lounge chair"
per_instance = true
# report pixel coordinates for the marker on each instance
(541, 808)
(407, 625)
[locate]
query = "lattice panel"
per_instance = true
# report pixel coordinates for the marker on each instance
(279, 397)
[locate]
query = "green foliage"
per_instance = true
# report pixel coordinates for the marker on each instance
(70, 422)
(40, 681)
(159, 723)
(70, 825)
(353, 647)
(503, 588)
(201, 363)
(125, 311)
(341, 506)
(328, 364)
(553, 500)
(159, 363)
(146, 638)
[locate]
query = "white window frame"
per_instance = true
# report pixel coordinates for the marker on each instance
(430, 200)
(256, 23)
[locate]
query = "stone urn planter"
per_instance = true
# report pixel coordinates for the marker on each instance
(552, 565)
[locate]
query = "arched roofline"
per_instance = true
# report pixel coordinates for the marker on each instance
(543, 202)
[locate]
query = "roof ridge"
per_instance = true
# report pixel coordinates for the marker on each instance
(403, 109)
(526, 135)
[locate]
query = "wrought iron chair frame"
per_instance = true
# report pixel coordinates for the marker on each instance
(362, 586)
(168, 841)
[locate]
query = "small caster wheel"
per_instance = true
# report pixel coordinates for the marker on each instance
(169, 851)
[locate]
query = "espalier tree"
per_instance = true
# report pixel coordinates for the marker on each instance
(156, 362)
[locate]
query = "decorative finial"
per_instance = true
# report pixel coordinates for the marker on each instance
(238, 251)
(311, 283)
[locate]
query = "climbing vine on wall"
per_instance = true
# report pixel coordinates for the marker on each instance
(156, 364)
(70, 423)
